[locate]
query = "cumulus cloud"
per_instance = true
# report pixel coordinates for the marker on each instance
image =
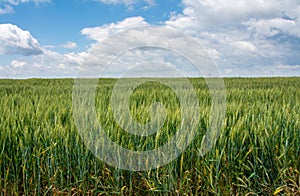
(245, 38)
(238, 49)
(33, 60)
(220, 12)
(29, 59)
(74, 58)
(54, 60)
(102, 32)
(238, 34)
(246, 34)
(48, 64)
(265, 16)
(14, 40)
(274, 26)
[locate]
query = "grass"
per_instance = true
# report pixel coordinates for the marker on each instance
(257, 153)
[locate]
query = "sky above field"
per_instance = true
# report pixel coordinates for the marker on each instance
(52, 38)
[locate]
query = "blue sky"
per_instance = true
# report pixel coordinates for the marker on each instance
(61, 21)
(51, 38)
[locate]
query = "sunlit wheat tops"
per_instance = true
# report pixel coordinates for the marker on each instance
(257, 151)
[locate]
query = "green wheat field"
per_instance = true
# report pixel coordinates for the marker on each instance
(257, 153)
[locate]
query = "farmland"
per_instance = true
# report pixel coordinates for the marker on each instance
(257, 152)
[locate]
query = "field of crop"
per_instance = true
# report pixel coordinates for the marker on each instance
(257, 153)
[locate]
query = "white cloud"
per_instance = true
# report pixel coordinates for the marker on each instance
(6, 6)
(245, 46)
(53, 59)
(220, 12)
(216, 14)
(236, 49)
(238, 34)
(14, 40)
(70, 45)
(289, 67)
(271, 27)
(102, 32)
(215, 54)
(48, 64)
(35, 60)
(241, 31)
(129, 3)
(7, 9)
(125, 2)
(183, 22)
(17, 63)
(287, 70)
(17, 2)
(267, 17)
(74, 58)
(150, 2)
(49, 46)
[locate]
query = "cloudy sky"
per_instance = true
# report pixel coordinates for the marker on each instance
(52, 38)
